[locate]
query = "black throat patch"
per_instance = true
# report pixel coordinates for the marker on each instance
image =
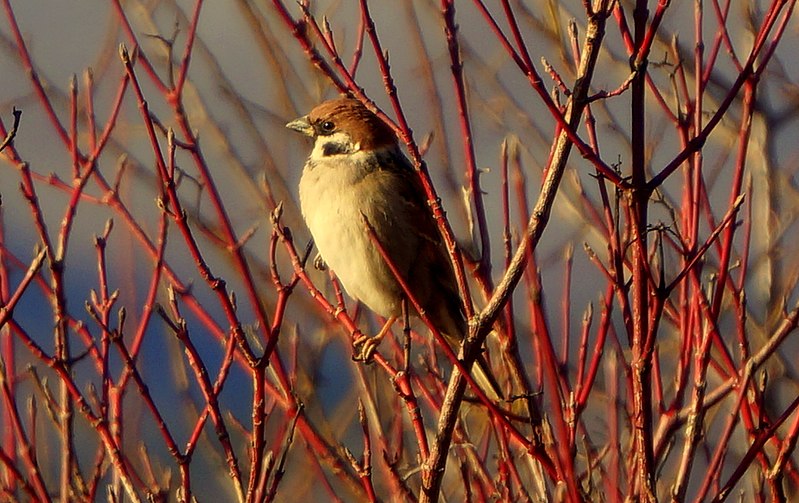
(334, 148)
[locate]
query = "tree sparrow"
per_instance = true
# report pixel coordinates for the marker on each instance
(356, 169)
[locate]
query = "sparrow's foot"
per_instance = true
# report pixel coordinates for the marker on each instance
(364, 347)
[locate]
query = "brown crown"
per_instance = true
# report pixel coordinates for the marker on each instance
(350, 116)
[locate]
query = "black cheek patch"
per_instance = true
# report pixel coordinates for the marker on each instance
(333, 148)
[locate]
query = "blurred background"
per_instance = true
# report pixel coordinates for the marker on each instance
(248, 75)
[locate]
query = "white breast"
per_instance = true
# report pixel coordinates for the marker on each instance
(333, 193)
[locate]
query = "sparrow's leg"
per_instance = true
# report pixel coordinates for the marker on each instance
(368, 345)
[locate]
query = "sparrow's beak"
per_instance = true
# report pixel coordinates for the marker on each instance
(301, 125)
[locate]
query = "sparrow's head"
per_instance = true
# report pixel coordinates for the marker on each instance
(344, 126)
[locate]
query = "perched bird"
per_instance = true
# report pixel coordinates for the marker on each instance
(355, 170)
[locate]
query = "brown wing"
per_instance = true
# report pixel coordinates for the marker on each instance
(430, 276)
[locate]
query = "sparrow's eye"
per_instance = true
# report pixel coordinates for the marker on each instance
(328, 126)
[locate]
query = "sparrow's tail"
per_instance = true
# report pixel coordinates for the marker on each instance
(481, 372)
(453, 327)
(485, 379)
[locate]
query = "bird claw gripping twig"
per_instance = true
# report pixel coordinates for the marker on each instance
(364, 347)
